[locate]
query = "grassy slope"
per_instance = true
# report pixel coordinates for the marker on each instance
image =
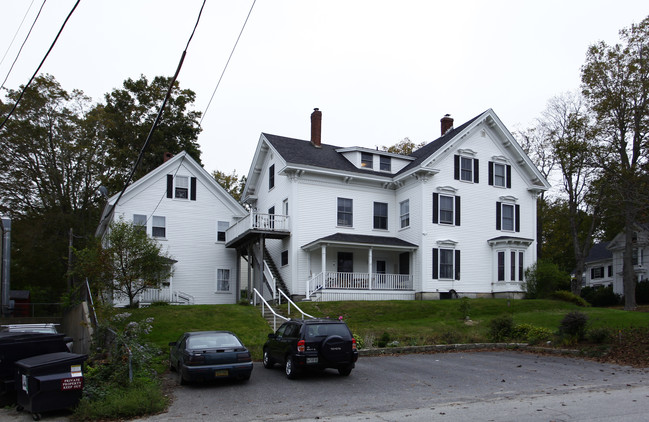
(409, 322)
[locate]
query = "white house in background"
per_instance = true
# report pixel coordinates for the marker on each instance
(605, 261)
(183, 207)
(455, 217)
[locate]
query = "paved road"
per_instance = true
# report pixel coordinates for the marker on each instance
(481, 386)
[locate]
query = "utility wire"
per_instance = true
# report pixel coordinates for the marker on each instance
(23, 44)
(39, 66)
(157, 120)
(17, 31)
(227, 63)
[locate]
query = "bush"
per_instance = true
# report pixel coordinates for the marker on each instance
(573, 325)
(601, 296)
(543, 278)
(384, 340)
(139, 398)
(359, 341)
(465, 307)
(531, 334)
(599, 335)
(501, 328)
(567, 296)
(642, 293)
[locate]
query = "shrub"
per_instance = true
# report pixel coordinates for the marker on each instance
(359, 341)
(501, 328)
(543, 278)
(531, 334)
(450, 337)
(601, 296)
(465, 307)
(567, 296)
(599, 335)
(642, 292)
(573, 325)
(383, 340)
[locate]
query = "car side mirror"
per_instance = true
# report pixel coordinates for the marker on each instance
(272, 336)
(172, 343)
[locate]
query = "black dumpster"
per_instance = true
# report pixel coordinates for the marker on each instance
(17, 346)
(49, 382)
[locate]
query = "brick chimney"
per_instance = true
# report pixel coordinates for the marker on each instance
(447, 123)
(167, 156)
(316, 128)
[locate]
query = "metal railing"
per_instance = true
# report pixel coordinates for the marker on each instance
(265, 305)
(290, 302)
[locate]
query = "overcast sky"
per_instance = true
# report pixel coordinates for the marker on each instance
(379, 70)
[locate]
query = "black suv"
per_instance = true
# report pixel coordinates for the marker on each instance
(311, 343)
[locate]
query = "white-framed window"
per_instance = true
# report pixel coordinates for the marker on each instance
(285, 206)
(222, 280)
(139, 222)
(597, 272)
(381, 215)
(466, 168)
(385, 163)
(284, 258)
(500, 174)
(404, 213)
(345, 212)
(158, 226)
(367, 160)
(181, 190)
(221, 227)
(507, 217)
(510, 265)
(446, 264)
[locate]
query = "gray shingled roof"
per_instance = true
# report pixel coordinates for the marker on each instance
(365, 239)
(599, 251)
(301, 152)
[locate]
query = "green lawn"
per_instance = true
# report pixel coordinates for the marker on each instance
(409, 322)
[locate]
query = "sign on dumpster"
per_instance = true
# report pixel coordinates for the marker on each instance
(75, 383)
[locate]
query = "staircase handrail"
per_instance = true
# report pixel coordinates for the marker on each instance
(269, 276)
(263, 302)
(290, 302)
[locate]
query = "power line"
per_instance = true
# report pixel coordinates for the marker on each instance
(227, 63)
(157, 120)
(23, 44)
(17, 31)
(39, 66)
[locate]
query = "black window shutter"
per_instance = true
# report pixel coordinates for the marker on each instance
(457, 167)
(435, 207)
(592, 273)
(170, 186)
(457, 210)
(509, 176)
(491, 173)
(192, 195)
(476, 171)
(517, 217)
(457, 264)
(498, 215)
(435, 263)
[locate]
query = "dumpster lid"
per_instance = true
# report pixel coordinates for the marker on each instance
(50, 359)
(7, 337)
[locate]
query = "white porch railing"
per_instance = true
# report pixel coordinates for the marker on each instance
(165, 295)
(257, 220)
(268, 274)
(358, 281)
(290, 302)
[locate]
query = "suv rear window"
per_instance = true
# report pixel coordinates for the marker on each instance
(317, 331)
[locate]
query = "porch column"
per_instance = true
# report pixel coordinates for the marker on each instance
(323, 251)
(237, 295)
(249, 273)
(369, 267)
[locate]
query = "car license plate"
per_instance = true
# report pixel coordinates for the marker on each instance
(312, 360)
(221, 373)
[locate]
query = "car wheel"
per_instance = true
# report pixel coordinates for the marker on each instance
(268, 361)
(179, 376)
(291, 371)
(345, 371)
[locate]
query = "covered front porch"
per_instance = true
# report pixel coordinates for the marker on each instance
(359, 267)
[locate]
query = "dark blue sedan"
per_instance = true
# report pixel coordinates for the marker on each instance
(209, 355)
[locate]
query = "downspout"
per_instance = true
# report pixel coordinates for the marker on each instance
(6, 262)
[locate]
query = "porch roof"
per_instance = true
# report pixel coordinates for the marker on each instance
(360, 240)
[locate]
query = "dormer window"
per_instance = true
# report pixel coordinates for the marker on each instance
(182, 187)
(385, 163)
(367, 160)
